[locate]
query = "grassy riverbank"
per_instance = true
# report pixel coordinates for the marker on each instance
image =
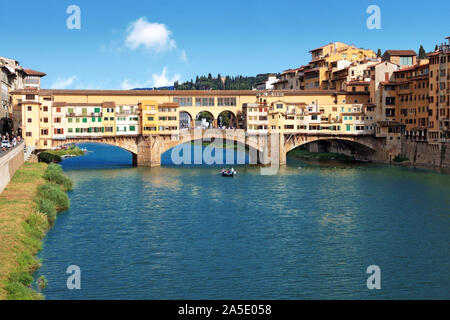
(299, 153)
(28, 209)
(56, 156)
(75, 151)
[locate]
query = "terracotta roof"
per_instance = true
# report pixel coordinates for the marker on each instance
(169, 104)
(406, 69)
(401, 52)
(34, 73)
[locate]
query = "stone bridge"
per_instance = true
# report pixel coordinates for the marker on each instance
(147, 149)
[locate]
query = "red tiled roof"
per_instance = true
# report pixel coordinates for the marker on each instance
(34, 73)
(401, 52)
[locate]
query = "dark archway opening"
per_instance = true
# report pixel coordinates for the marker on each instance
(226, 119)
(334, 149)
(185, 120)
(204, 120)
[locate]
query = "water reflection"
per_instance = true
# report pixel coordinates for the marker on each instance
(308, 232)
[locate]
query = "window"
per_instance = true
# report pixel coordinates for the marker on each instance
(97, 110)
(70, 120)
(204, 102)
(390, 112)
(84, 120)
(132, 128)
(390, 101)
(45, 109)
(406, 61)
(182, 101)
(28, 134)
(30, 120)
(29, 97)
(226, 101)
(58, 109)
(29, 108)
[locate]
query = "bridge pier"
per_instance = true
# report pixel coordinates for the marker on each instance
(149, 151)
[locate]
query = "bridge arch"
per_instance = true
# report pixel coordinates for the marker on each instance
(125, 143)
(226, 118)
(205, 114)
(359, 148)
(237, 136)
(186, 120)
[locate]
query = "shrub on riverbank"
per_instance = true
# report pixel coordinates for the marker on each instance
(54, 174)
(400, 158)
(55, 194)
(48, 157)
(47, 207)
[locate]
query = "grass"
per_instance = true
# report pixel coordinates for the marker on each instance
(70, 151)
(320, 155)
(28, 207)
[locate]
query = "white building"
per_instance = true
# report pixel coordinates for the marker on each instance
(127, 120)
(266, 85)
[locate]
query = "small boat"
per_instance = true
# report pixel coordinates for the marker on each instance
(228, 172)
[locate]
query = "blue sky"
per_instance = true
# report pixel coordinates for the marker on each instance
(122, 44)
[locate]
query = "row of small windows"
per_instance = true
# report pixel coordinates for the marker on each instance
(202, 102)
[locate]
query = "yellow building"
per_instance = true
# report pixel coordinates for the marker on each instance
(109, 118)
(149, 116)
(168, 118)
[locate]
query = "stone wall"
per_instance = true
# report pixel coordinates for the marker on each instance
(421, 153)
(9, 163)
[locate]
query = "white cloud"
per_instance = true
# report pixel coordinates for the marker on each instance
(158, 80)
(183, 56)
(151, 35)
(63, 83)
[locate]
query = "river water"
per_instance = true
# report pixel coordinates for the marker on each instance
(309, 232)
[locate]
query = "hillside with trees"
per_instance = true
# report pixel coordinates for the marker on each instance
(221, 83)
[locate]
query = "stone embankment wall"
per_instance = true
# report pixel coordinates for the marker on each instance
(421, 153)
(9, 163)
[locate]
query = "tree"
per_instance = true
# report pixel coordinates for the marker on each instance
(379, 53)
(422, 53)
